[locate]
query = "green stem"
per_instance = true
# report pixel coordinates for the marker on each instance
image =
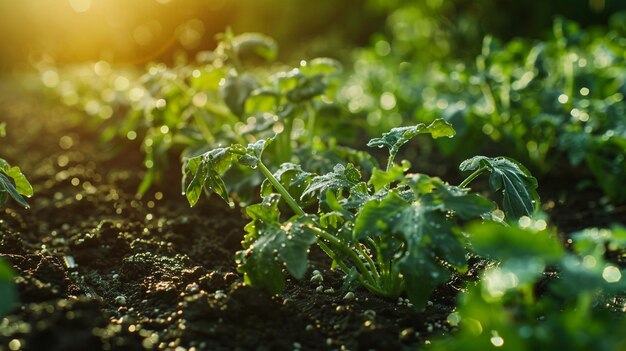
(369, 261)
(281, 189)
(347, 251)
(204, 128)
(390, 161)
(473, 176)
(311, 123)
(328, 251)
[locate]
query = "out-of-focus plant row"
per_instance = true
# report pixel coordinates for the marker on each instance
(556, 105)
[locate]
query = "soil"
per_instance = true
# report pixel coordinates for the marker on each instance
(99, 269)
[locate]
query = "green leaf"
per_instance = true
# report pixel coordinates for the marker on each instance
(235, 89)
(248, 45)
(397, 137)
(269, 242)
(7, 185)
(204, 172)
(8, 292)
(379, 217)
(518, 186)
(307, 88)
(380, 179)
(342, 177)
(422, 275)
(292, 177)
(3, 129)
(321, 66)
(502, 243)
(256, 149)
(21, 183)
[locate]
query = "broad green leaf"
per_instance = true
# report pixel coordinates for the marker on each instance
(7, 185)
(269, 242)
(379, 217)
(8, 292)
(4, 197)
(321, 66)
(595, 241)
(503, 243)
(342, 177)
(256, 149)
(204, 172)
(422, 275)
(397, 137)
(292, 177)
(248, 45)
(464, 205)
(381, 179)
(577, 276)
(261, 101)
(21, 183)
(518, 186)
(235, 89)
(307, 88)
(298, 238)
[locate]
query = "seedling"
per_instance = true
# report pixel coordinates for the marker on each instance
(394, 233)
(12, 181)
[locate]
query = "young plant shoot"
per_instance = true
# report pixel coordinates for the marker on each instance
(396, 233)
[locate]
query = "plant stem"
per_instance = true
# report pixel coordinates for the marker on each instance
(281, 189)
(473, 176)
(328, 251)
(392, 155)
(369, 261)
(310, 124)
(206, 132)
(322, 234)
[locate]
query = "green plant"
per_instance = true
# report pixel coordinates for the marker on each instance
(233, 94)
(13, 183)
(397, 232)
(546, 103)
(538, 296)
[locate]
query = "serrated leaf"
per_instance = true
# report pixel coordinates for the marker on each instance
(342, 177)
(463, 204)
(269, 242)
(397, 137)
(378, 217)
(294, 250)
(256, 149)
(518, 186)
(292, 177)
(204, 172)
(381, 179)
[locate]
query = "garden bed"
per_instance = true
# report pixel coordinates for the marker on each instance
(99, 269)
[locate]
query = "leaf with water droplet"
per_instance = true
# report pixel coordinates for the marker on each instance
(13, 183)
(397, 137)
(518, 186)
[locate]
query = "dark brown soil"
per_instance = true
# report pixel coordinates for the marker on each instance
(99, 269)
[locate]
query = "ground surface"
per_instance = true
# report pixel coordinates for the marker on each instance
(99, 269)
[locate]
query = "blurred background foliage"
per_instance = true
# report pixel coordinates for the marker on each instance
(139, 31)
